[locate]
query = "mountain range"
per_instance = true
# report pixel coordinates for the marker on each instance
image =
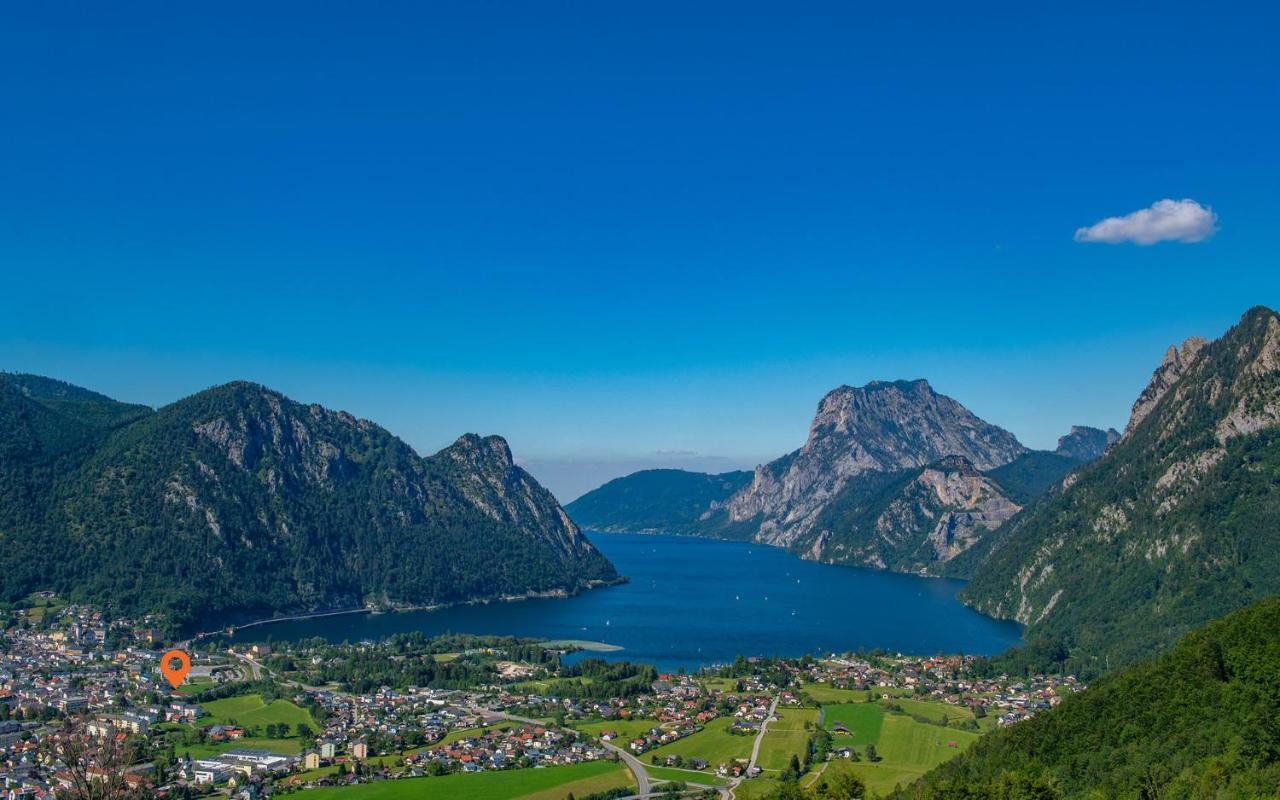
(238, 502)
(893, 475)
(1107, 549)
(1174, 526)
(1197, 721)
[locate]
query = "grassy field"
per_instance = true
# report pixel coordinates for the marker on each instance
(864, 721)
(786, 736)
(628, 728)
(907, 748)
(289, 747)
(824, 694)
(934, 710)
(41, 607)
(721, 684)
(688, 775)
(467, 733)
(249, 711)
(755, 788)
(880, 777)
(552, 783)
(711, 744)
(908, 743)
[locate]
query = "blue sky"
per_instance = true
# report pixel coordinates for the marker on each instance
(627, 234)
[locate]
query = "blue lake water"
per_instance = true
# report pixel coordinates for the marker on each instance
(692, 602)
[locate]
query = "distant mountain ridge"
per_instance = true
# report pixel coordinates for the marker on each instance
(655, 501)
(1173, 526)
(239, 502)
(876, 485)
(1085, 444)
(880, 427)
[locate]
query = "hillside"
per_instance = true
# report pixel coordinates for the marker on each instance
(1174, 526)
(1198, 721)
(1083, 443)
(662, 500)
(880, 427)
(1033, 473)
(239, 502)
(910, 520)
(883, 482)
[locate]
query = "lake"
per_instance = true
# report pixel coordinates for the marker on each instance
(692, 602)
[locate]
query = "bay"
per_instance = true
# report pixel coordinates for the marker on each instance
(692, 602)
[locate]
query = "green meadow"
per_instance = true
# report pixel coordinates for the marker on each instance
(934, 710)
(248, 711)
(712, 744)
(823, 694)
(687, 775)
(550, 783)
(786, 736)
(289, 747)
(863, 721)
(627, 728)
(907, 748)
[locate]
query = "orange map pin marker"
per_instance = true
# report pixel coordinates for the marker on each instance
(175, 675)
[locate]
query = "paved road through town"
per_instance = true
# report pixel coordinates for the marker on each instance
(755, 748)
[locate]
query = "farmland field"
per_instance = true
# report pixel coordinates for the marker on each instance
(248, 711)
(863, 720)
(711, 744)
(551, 783)
(288, 747)
(627, 728)
(786, 736)
(908, 743)
(934, 710)
(907, 748)
(673, 774)
(880, 777)
(824, 694)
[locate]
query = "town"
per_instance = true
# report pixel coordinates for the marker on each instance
(82, 700)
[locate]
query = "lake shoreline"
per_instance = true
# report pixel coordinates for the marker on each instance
(233, 629)
(695, 601)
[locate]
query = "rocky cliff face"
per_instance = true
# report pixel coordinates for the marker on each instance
(1175, 364)
(240, 502)
(912, 521)
(1175, 525)
(878, 428)
(1085, 444)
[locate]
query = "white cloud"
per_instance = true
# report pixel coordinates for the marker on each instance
(1165, 221)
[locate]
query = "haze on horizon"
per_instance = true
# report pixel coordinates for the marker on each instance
(625, 238)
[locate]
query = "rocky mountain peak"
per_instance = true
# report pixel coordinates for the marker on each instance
(880, 427)
(1168, 528)
(474, 449)
(1084, 443)
(1176, 362)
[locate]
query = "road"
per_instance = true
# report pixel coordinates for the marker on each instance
(633, 763)
(644, 785)
(637, 769)
(755, 748)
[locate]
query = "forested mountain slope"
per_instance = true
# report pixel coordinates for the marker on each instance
(1200, 721)
(1174, 526)
(240, 502)
(655, 500)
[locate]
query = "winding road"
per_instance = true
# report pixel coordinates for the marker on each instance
(755, 748)
(637, 769)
